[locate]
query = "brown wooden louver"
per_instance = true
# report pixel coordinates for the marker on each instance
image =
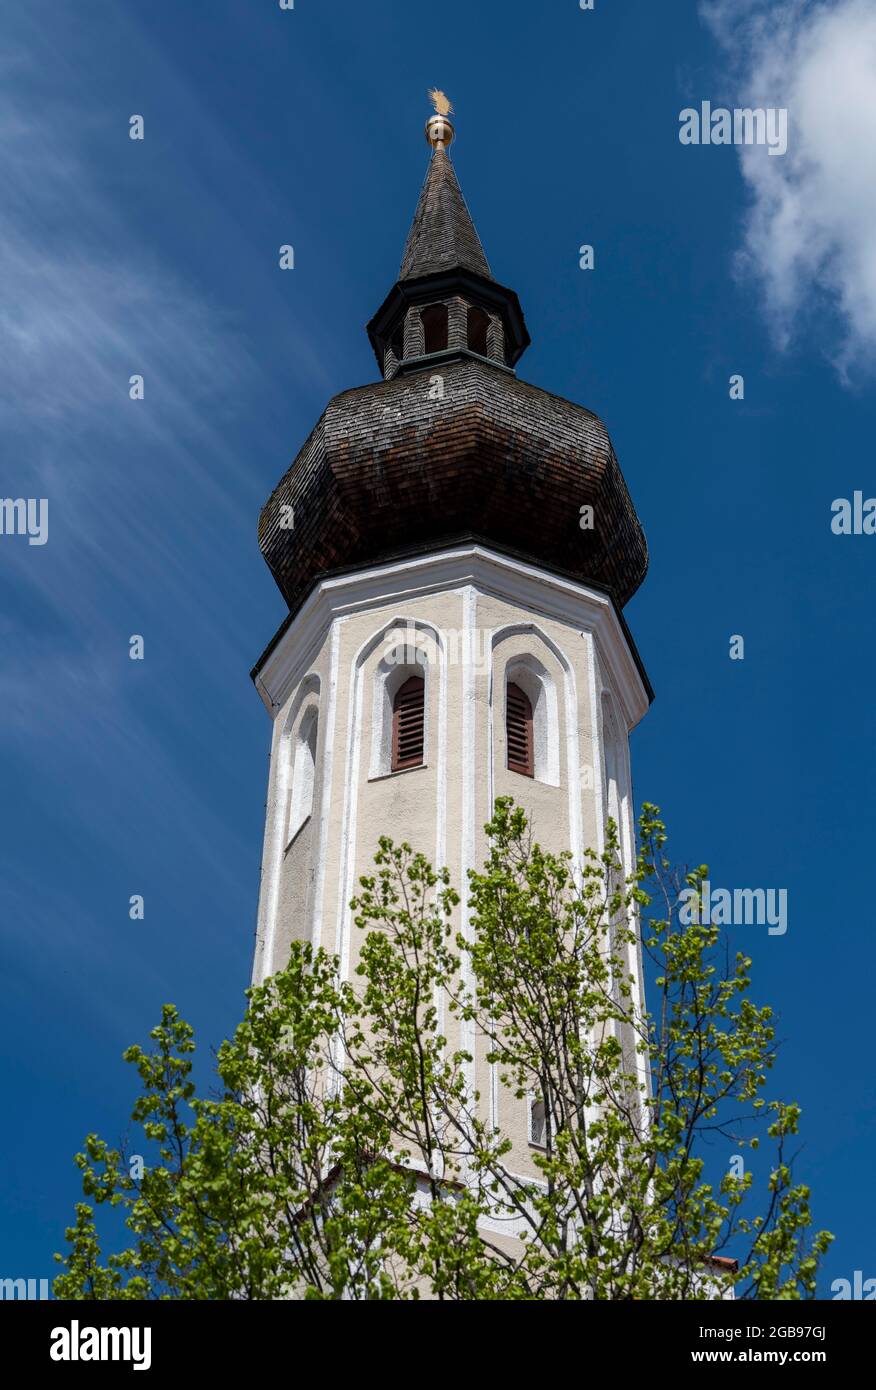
(408, 712)
(518, 724)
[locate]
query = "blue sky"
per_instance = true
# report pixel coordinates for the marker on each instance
(160, 257)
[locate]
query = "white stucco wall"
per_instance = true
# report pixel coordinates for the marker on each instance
(474, 617)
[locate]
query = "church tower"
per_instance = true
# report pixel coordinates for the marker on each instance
(456, 547)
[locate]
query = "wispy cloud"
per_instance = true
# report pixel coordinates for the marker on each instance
(85, 305)
(147, 500)
(810, 235)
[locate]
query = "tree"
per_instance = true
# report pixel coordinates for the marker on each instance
(349, 1153)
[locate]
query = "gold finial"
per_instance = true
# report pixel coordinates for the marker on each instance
(439, 128)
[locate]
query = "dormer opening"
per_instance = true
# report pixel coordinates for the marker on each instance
(478, 329)
(435, 328)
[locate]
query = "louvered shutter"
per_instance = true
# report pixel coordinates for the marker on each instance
(408, 712)
(518, 724)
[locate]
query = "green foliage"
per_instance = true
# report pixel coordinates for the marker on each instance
(356, 1149)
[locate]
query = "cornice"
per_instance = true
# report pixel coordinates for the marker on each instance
(579, 606)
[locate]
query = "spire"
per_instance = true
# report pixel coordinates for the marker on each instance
(445, 300)
(442, 236)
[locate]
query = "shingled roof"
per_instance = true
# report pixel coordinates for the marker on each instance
(389, 472)
(442, 236)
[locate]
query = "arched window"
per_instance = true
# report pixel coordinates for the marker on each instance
(622, 957)
(532, 724)
(537, 1122)
(408, 724)
(614, 796)
(518, 726)
(478, 328)
(435, 330)
(303, 772)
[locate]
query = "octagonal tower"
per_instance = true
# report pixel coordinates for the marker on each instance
(455, 547)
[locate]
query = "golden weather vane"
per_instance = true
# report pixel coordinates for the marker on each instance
(443, 105)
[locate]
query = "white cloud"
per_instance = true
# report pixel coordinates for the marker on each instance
(810, 234)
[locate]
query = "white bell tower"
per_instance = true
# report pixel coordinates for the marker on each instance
(455, 631)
